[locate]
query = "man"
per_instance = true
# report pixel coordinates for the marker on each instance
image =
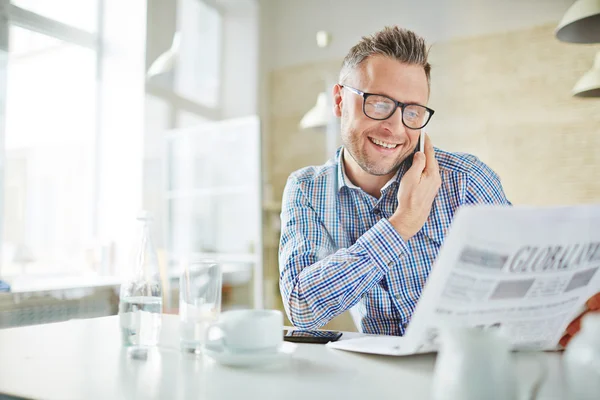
(364, 229)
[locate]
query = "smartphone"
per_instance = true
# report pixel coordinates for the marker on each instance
(419, 147)
(310, 336)
(421, 143)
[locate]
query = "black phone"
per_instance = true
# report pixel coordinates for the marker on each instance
(421, 138)
(409, 160)
(311, 336)
(417, 148)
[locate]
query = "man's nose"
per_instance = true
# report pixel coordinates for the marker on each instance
(395, 121)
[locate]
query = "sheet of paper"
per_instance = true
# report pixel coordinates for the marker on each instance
(525, 270)
(384, 345)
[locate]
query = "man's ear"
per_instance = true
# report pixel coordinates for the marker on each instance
(337, 100)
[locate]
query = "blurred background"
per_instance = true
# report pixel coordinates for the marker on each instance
(198, 111)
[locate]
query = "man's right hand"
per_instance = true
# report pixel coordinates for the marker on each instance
(418, 188)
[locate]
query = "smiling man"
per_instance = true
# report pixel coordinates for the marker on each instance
(365, 228)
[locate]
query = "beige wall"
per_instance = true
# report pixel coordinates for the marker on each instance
(506, 98)
(503, 97)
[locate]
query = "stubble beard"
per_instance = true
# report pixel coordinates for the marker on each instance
(351, 142)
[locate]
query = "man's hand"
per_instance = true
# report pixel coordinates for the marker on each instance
(592, 305)
(418, 188)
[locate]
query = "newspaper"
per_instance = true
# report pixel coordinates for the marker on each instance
(525, 270)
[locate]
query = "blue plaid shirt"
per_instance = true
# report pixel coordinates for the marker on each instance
(339, 251)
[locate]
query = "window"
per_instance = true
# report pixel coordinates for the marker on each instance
(78, 161)
(186, 96)
(49, 153)
(80, 14)
(72, 139)
(198, 71)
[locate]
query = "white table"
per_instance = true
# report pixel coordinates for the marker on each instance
(84, 359)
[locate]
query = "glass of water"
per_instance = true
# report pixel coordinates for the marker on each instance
(199, 302)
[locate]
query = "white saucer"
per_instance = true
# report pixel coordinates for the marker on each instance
(253, 359)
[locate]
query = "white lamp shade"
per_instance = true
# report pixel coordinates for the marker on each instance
(318, 116)
(581, 23)
(167, 60)
(589, 84)
(163, 64)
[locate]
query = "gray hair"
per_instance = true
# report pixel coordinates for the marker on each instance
(394, 42)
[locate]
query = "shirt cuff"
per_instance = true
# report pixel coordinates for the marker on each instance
(383, 244)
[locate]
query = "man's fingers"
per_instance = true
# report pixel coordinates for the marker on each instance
(564, 340)
(418, 165)
(432, 165)
(594, 302)
(574, 326)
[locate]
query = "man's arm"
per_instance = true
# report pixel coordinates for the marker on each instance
(318, 281)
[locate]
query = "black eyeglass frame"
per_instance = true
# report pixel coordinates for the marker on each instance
(398, 104)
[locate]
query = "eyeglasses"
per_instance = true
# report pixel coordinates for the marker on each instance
(380, 107)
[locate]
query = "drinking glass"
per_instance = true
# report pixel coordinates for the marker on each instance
(199, 302)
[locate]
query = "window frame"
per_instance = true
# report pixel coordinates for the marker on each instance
(11, 14)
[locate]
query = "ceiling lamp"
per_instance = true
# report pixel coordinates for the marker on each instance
(581, 23)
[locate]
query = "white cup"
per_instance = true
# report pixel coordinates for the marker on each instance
(247, 331)
(475, 364)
